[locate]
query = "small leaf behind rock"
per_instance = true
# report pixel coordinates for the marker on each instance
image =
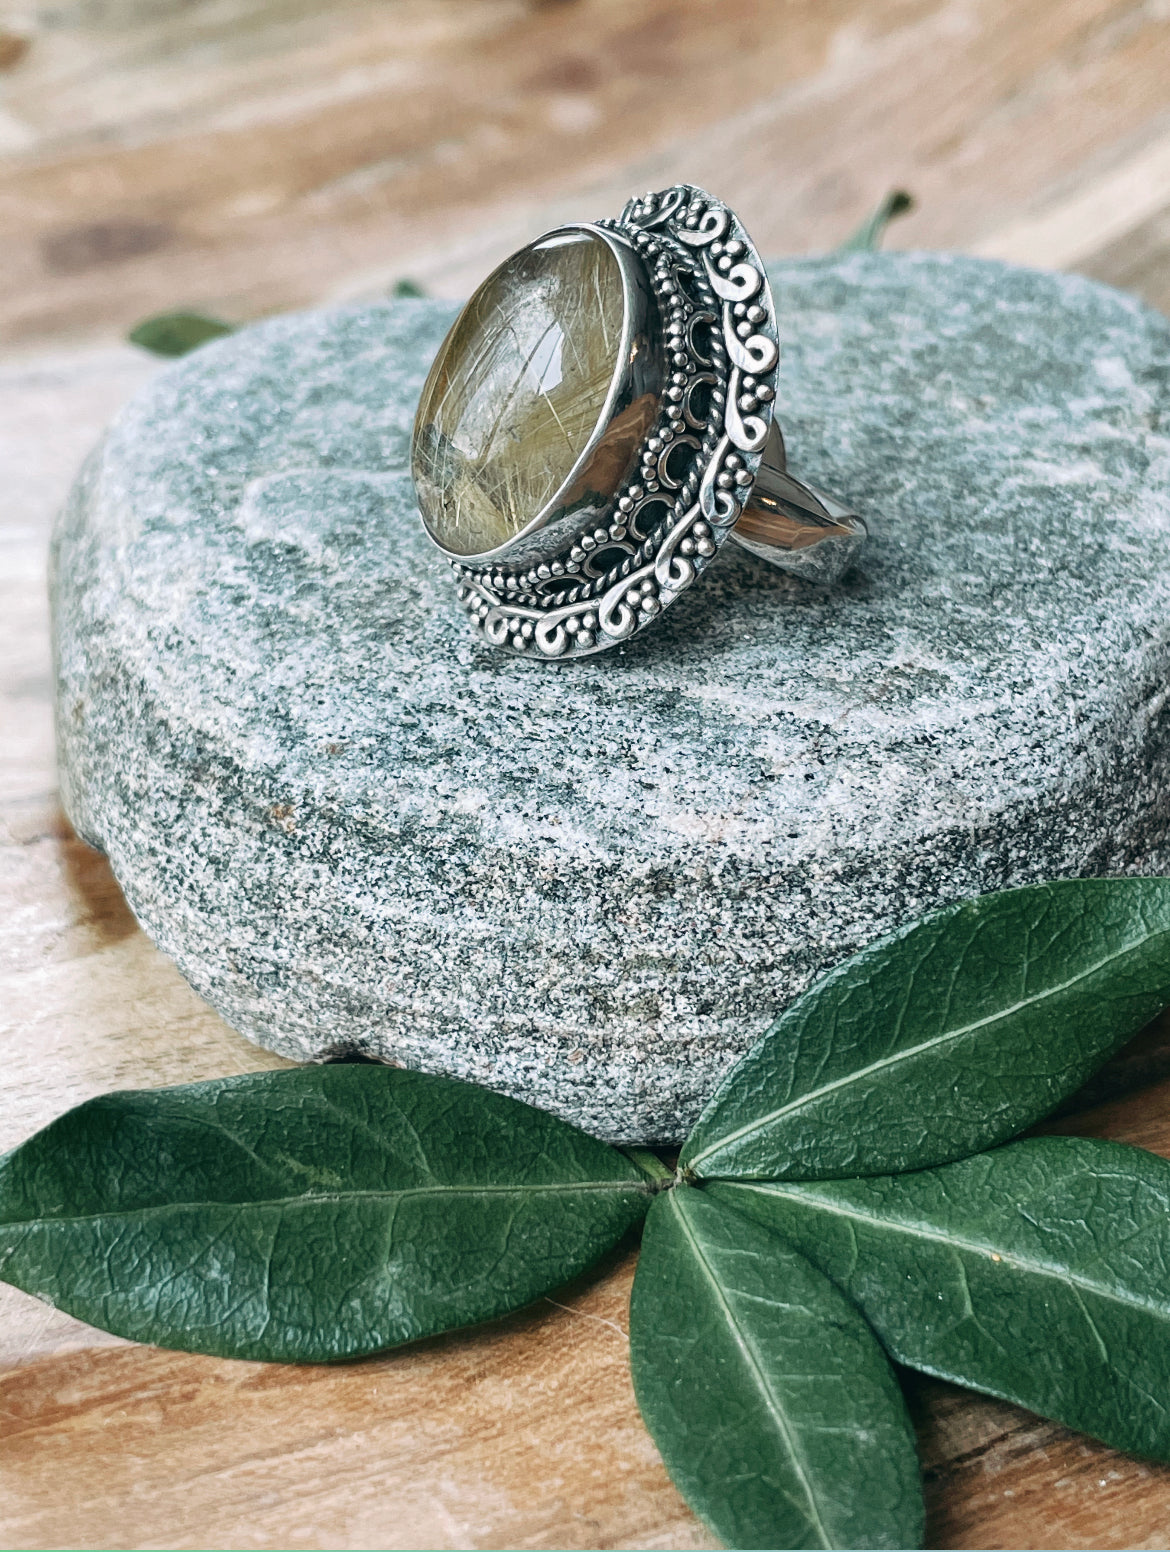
(948, 1037)
(311, 1214)
(771, 1402)
(174, 334)
(1039, 1273)
(869, 234)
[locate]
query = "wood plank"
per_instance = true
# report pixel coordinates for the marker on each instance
(525, 1434)
(251, 155)
(997, 1476)
(1138, 261)
(404, 150)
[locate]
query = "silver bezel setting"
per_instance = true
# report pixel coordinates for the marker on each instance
(577, 582)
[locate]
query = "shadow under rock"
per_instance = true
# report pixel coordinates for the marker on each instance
(99, 904)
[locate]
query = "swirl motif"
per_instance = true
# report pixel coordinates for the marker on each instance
(550, 635)
(713, 224)
(748, 432)
(717, 506)
(670, 203)
(495, 627)
(615, 616)
(675, 571)
(757, 353)
(740, 284)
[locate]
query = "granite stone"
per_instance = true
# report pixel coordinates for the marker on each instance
(355, 828)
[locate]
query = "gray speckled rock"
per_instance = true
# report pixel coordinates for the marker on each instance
(591, 886)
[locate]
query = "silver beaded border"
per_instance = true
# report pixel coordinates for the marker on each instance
(667, 522)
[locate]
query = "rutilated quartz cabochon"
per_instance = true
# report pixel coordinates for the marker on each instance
(518, 389)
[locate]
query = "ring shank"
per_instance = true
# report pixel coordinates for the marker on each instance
(793, 526)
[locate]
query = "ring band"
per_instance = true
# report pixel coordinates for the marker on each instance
(599, 421)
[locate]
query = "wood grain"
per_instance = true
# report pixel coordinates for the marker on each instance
(522, 1435)
(250, 155)
(253, 156)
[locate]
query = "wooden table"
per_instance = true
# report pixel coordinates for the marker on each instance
(249, 156)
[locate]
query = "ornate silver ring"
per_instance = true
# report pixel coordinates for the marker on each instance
(599, 420)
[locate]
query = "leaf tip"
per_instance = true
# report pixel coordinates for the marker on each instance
(175, 333)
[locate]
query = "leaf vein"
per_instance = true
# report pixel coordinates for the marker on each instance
(952, 1242)
(755, 1368)
(936, 1042)
(319, 1198)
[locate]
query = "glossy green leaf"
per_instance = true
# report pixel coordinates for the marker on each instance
(310, 1214)
(176, 333)
(869, 234)
(948, 1037)
(1039, 1272)
(775, 1410)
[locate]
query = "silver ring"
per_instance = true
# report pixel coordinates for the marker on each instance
(599, 420)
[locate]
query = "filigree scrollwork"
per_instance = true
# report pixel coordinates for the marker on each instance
(604, 562)
(551, 637)
(752, 352)
(495, 626)
(655, 210)
(740, 284)
(711, 224)
(630, 603)
(670, 474)
(697, 414)
(748, 432)
(716, 501)
(700, 349)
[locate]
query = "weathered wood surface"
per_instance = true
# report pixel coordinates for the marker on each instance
(248, 156)
(252, 156)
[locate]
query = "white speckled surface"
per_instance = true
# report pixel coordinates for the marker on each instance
(591, 885)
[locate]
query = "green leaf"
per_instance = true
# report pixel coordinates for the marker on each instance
(407, 288)
(1039, 1273)
(310, 1214)
(869, 234)
(174, 334)
(946, 1038)
(773, 1406)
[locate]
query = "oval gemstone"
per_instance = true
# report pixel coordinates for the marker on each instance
(517, 391)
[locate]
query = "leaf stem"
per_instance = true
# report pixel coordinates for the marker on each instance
(652, 1166)
(868, 236)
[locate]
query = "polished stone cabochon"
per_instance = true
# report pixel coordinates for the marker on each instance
(517, 391)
